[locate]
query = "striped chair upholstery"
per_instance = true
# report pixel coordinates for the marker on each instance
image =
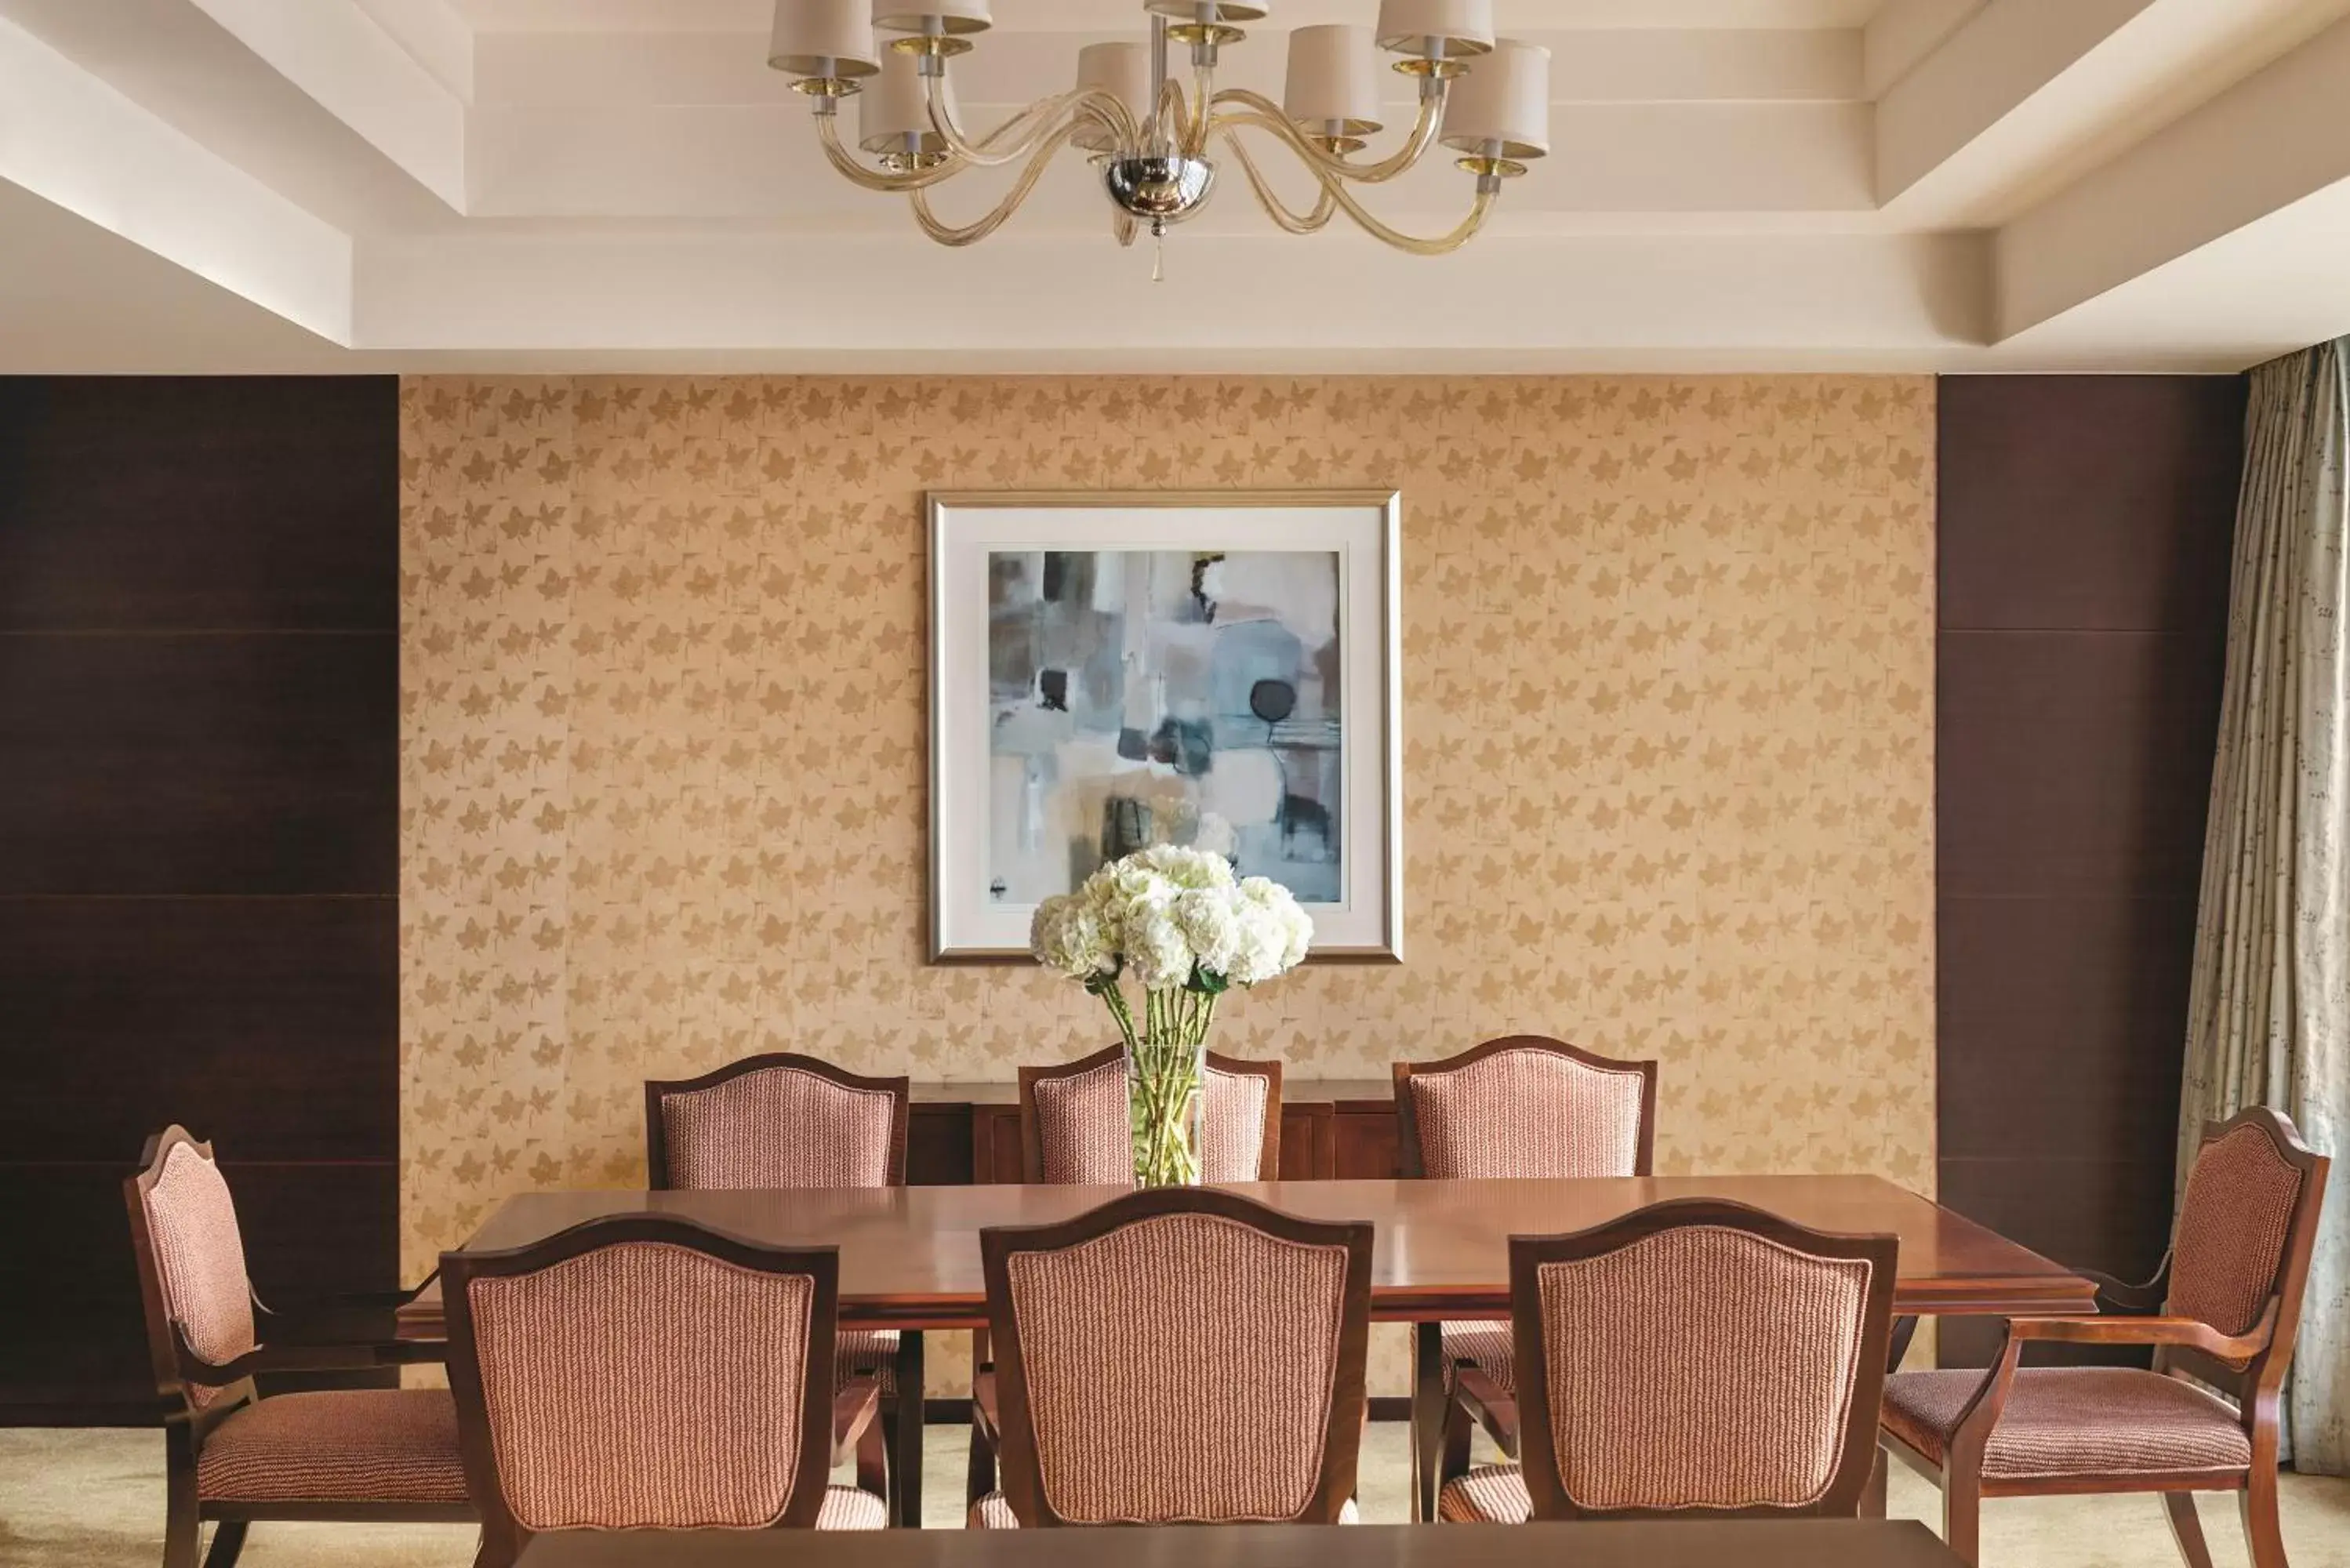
(642, 1383)
(1178, 1357)
(1703, 1360)
(200, 1259)
(1530, 1109)
(2232, 1228)
(1085, 1134)
(785, 1121)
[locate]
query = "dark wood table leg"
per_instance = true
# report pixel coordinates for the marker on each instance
(906, 1442)
(1427, 1416)
(1905, 1329)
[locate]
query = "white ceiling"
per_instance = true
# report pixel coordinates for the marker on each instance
(249, 185)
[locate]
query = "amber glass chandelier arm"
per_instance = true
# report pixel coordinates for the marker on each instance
(970, 234)
(1256, 109)
(827, 129)
(1487, 189)
(1018, 137)
(1325, 205)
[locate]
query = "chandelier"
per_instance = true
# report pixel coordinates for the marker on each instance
(1149, 133)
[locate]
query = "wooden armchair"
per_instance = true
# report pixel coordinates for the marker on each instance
(1179, 1355)
(782, 1120)
(231, 1455)
(1695, 1358)
(643, 1372)
(1522, 1105)
(1074, 1129)
(2230, 1304)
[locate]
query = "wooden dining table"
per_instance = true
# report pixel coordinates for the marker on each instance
(909, 1255)
(1691, 1544)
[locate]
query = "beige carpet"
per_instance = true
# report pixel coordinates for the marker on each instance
(95, 1500)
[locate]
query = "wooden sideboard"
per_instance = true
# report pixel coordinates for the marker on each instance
(1330, 1127)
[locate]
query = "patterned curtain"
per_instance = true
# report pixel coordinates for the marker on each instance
(2269, 1022)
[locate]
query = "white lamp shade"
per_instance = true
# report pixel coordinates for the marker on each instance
(952, 15)
(1229, 12)
(823, 39)
(1461, 26)
(895, 105)
(1333, 79)
(1503, 96)
(1121, 68)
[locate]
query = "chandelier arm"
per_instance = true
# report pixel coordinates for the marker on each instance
(1262, 113)
(1019, 136)
(827, 132)
(1325, 206)
(1488, 187)
(971, 234)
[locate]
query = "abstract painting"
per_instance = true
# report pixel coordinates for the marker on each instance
(1133, 673)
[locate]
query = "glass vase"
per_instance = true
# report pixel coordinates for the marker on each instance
(1163, 1079)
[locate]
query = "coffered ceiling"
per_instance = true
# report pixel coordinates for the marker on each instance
(251, 184)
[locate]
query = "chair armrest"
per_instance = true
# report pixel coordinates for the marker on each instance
(2119, 1296)
(2180, 1333)
(856, 1405)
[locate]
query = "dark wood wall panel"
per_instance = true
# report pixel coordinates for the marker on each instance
(2086, 524)
(199, 843)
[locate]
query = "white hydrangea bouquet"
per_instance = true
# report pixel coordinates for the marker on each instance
(1187, 931)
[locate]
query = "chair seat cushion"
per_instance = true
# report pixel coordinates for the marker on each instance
(366, 1445)
(850, 1507)
(1486, 1346)
(868, 1353)
(1490, 1494)
(2073, 1421)
(994, 1513)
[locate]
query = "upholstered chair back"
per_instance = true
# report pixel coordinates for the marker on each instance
(1700, 1357)
(643, 1373)
(1082, 1132)
(198, 1257)
(776, 1121)
(1179, 1356)
(1526, 1106)
(2234, 1227)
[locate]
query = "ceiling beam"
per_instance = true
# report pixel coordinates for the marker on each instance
(73, 140)
(2273, 140)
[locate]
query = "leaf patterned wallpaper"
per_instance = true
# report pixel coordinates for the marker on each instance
(1669, 722)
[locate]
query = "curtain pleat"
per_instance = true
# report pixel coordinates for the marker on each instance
(2269, 1014)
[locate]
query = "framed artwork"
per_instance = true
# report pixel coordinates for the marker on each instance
(1109, 671)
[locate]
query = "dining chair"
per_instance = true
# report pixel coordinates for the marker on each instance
(1074, 1128)
(2226, 1304)
(1178, 1354)
(232, 1457)
(645, 1371)
(1524, 1105)
(783, 1120)
(1695, 1358)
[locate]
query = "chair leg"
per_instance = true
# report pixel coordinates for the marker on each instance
(1872, 1496)
(1428, 1411)
(228, 1539)
(1962, 1517)
(874, 1446)
(2259, 1502)
(979, 1477)
(180, 1525)
(1452, 1461)
(2187, 1528)
(906, 1435)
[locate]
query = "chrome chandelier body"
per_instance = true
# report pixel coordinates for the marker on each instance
(1150, 134)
